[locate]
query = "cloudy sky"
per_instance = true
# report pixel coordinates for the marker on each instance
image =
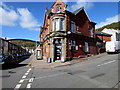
(23, 19)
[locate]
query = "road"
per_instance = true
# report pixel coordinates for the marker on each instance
(99, 71)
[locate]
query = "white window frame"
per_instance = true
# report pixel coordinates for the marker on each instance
(86, 47)
(53, 25)
(57, 20)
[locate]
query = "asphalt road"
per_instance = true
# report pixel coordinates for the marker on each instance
(99, 71)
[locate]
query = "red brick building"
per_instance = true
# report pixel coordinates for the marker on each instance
(101, 39)
(67, 34)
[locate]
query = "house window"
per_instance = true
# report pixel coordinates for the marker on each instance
(58, 24)
(91, 31)
(86, 47)
(53, 25)
(61, 24)
(73, 43)
(72, 26)
(58, 9)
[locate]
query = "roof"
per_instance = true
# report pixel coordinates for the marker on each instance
(102, 34)
(78, 10)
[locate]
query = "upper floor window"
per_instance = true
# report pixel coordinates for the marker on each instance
(61, 24)
(58, 24)
(58, 8)
(91, 31)
(72, 26)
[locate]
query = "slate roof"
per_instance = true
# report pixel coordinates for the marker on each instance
(78, 10)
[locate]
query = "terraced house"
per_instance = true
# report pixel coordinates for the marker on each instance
(66, 34)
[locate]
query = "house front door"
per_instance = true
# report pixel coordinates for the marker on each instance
(57, 49)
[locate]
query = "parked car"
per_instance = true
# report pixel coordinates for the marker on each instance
(1, 60)
(9, 59)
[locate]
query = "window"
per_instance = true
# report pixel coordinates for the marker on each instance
(86, 47)
(73, 45)
(58, 8)
(91, 31)
(61, 24)
(58, 24)
(53, 25)
(72, 26)
(73, 42)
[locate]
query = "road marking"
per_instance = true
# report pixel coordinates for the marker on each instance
(18, 86)
(29, 85)
(31, 80)
(24, 76)
(29, 70)
(21, 81)
(106, 63)
(50, 76)
(26, 73)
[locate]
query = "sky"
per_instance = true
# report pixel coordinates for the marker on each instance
(22, 20)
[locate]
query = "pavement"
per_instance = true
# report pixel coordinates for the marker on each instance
(43, 64)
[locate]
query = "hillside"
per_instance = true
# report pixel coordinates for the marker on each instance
(24, 42)
(115, 26)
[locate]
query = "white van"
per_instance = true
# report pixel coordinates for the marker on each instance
(112, 46)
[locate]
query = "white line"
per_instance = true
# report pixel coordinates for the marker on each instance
(29, 70)
(24, 77)
(50, 76)
(18, 86)
(31, 80)
(29, 85)
(106, 63)
(21, 81)
(26, 73)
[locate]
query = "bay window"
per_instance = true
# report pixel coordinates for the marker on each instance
(58, 24)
